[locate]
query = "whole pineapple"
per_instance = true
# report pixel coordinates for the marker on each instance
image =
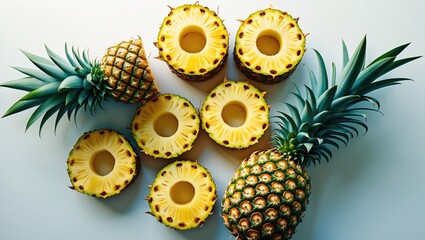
(67, 85)
(269, 45)
(268, 195)
(194, 42)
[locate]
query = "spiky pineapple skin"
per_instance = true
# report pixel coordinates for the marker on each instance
(203, 77)
(266, 198)
(260, 77)
(128, 72)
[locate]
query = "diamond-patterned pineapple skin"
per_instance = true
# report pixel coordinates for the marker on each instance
(128, 73)
(266, 198)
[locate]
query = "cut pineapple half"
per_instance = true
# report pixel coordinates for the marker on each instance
(128, 73)
(194, 42)
(235, 114)
(182, 195)
(102, 163)
(166, 126)
(269, 45)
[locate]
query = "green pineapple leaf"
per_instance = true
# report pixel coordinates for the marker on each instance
(86, 66)
(72, 60)
(63, 109)
(71, 82)
(60, 62)
(49, 113)
(35, 74)
(44, 91)
(334, 110)
(322, 85)
(59, 86)
(22, 105)
(26, 84)
(50, 103)
(46, 66)
(345, 55)
(351, 71)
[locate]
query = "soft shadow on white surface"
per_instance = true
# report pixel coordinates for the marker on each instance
(371, 189)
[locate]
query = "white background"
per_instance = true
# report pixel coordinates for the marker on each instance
(372, 189)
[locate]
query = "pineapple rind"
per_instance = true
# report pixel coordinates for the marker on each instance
(85, 180)
(159, 146)
(128, 72)
(199, 66)
(266, 198)
(182, 216)
(328, 114)
(264, 68)
(67, 85)
(257, 114)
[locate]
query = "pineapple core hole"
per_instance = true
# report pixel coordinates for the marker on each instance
(234, 114)
(166, 125)
(269, 42)
(192, 39)
(182, 192)
(102, 163)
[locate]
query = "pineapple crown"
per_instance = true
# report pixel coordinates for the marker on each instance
(330, 113)
(59, 85)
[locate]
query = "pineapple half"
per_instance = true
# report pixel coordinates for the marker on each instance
(166, 126)
(194, 42)
(269, 45)
(182, 195)
(235, 114)
(268, 195)
(102, 163)
(67, 85)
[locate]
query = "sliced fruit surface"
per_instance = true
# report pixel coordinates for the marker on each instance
(182, 195)
(194, 42)
(166, 126)
(102, 163)
(269, 45)
(235, 114)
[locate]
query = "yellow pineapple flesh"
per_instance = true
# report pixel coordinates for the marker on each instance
(182, 195)
(194, 42)
(102, 163)
(166, 126)
(269, 45)
(235, 114)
